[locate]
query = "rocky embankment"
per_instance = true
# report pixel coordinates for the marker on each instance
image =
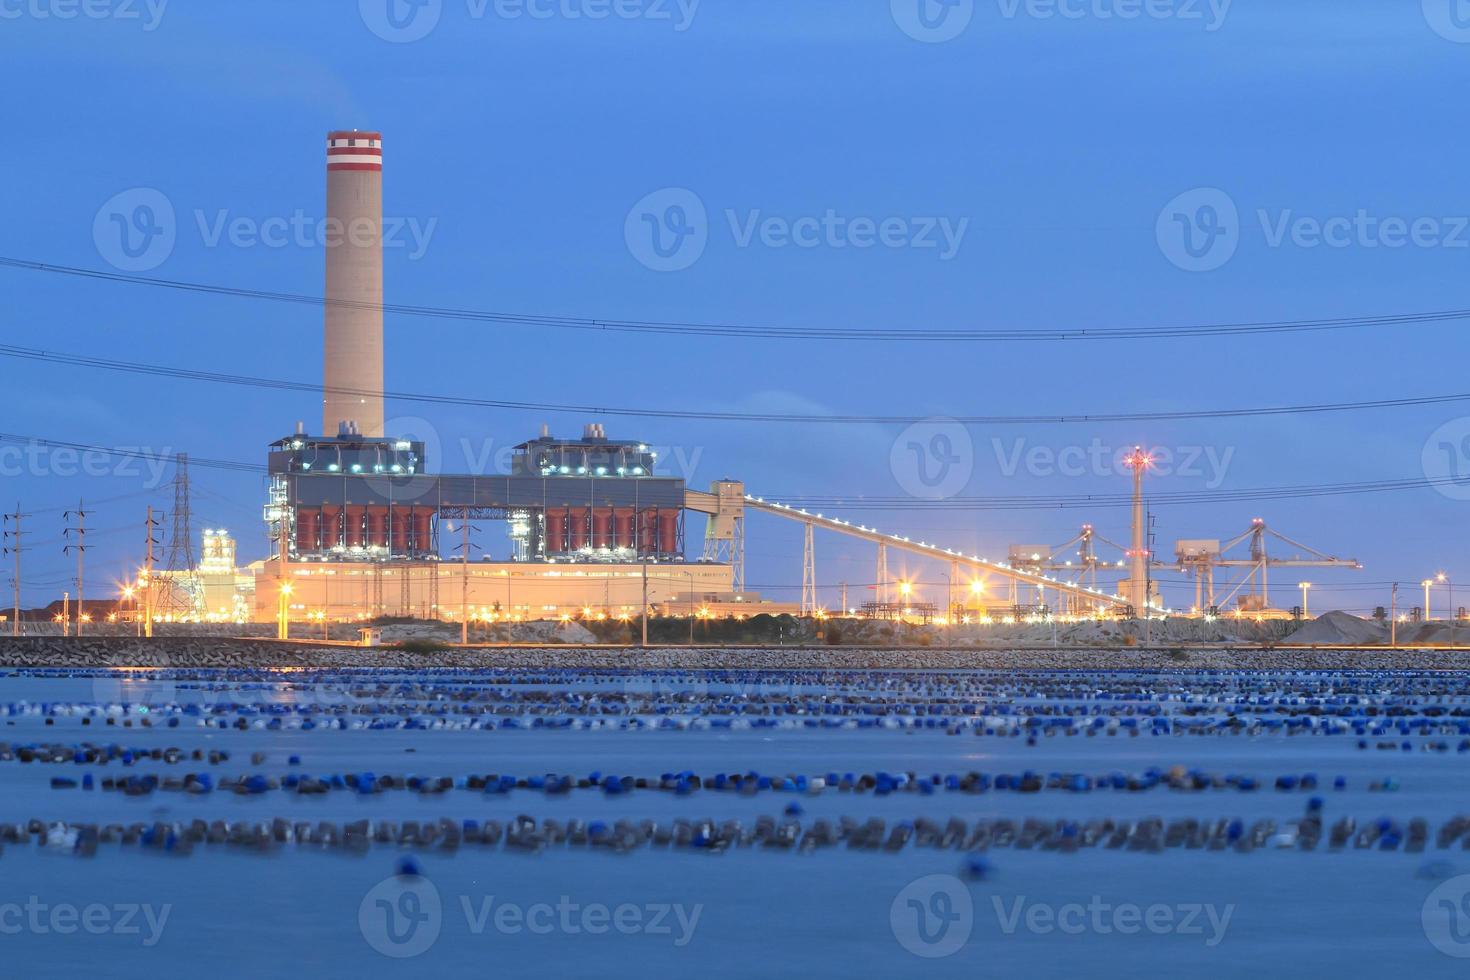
(222, 652)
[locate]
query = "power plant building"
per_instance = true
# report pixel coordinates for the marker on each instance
(359, 527)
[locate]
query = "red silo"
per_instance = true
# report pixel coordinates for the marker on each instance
(355, 517)
(398, 524)
(377, 527)
(648, 532)
(331, 527)
(578, 528)
(623, 520)
(602, 527)
(423, 535)
(306, 530)
(668, 532)
(556, 532)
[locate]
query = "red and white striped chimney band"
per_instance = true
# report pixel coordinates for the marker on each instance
(354, 151)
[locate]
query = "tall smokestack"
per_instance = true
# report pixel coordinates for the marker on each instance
(353, 346)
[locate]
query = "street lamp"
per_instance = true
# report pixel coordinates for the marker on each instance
(1450, 600)
(130, 595)
(1305, 586)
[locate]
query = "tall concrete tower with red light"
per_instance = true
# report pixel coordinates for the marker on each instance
(1136, 587)
(353, 348)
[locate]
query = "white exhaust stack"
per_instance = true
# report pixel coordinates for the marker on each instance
(353, 339)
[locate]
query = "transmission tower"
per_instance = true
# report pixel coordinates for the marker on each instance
(80, 547)
(14, 546)
(179, 586)
(147, 580)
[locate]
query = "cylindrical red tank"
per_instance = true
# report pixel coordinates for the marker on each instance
(306, 530)
(556, 532)
(648, 532)
(668, 531)
(602, 527)
(623, 520)
(423, 535)
(355, 517)
(578, 528)
(398, 529)
(331, 527)
(377, 527)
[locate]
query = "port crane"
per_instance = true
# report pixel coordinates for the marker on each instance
(1200, 557)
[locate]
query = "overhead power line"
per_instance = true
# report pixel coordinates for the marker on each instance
(315, 388)
(1037, 502)
(1166, 498)
(756, 331)
(219, 464)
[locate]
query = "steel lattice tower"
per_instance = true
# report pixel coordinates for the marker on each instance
(179, 585)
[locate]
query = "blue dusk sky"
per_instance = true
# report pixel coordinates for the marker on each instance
(858, 164)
